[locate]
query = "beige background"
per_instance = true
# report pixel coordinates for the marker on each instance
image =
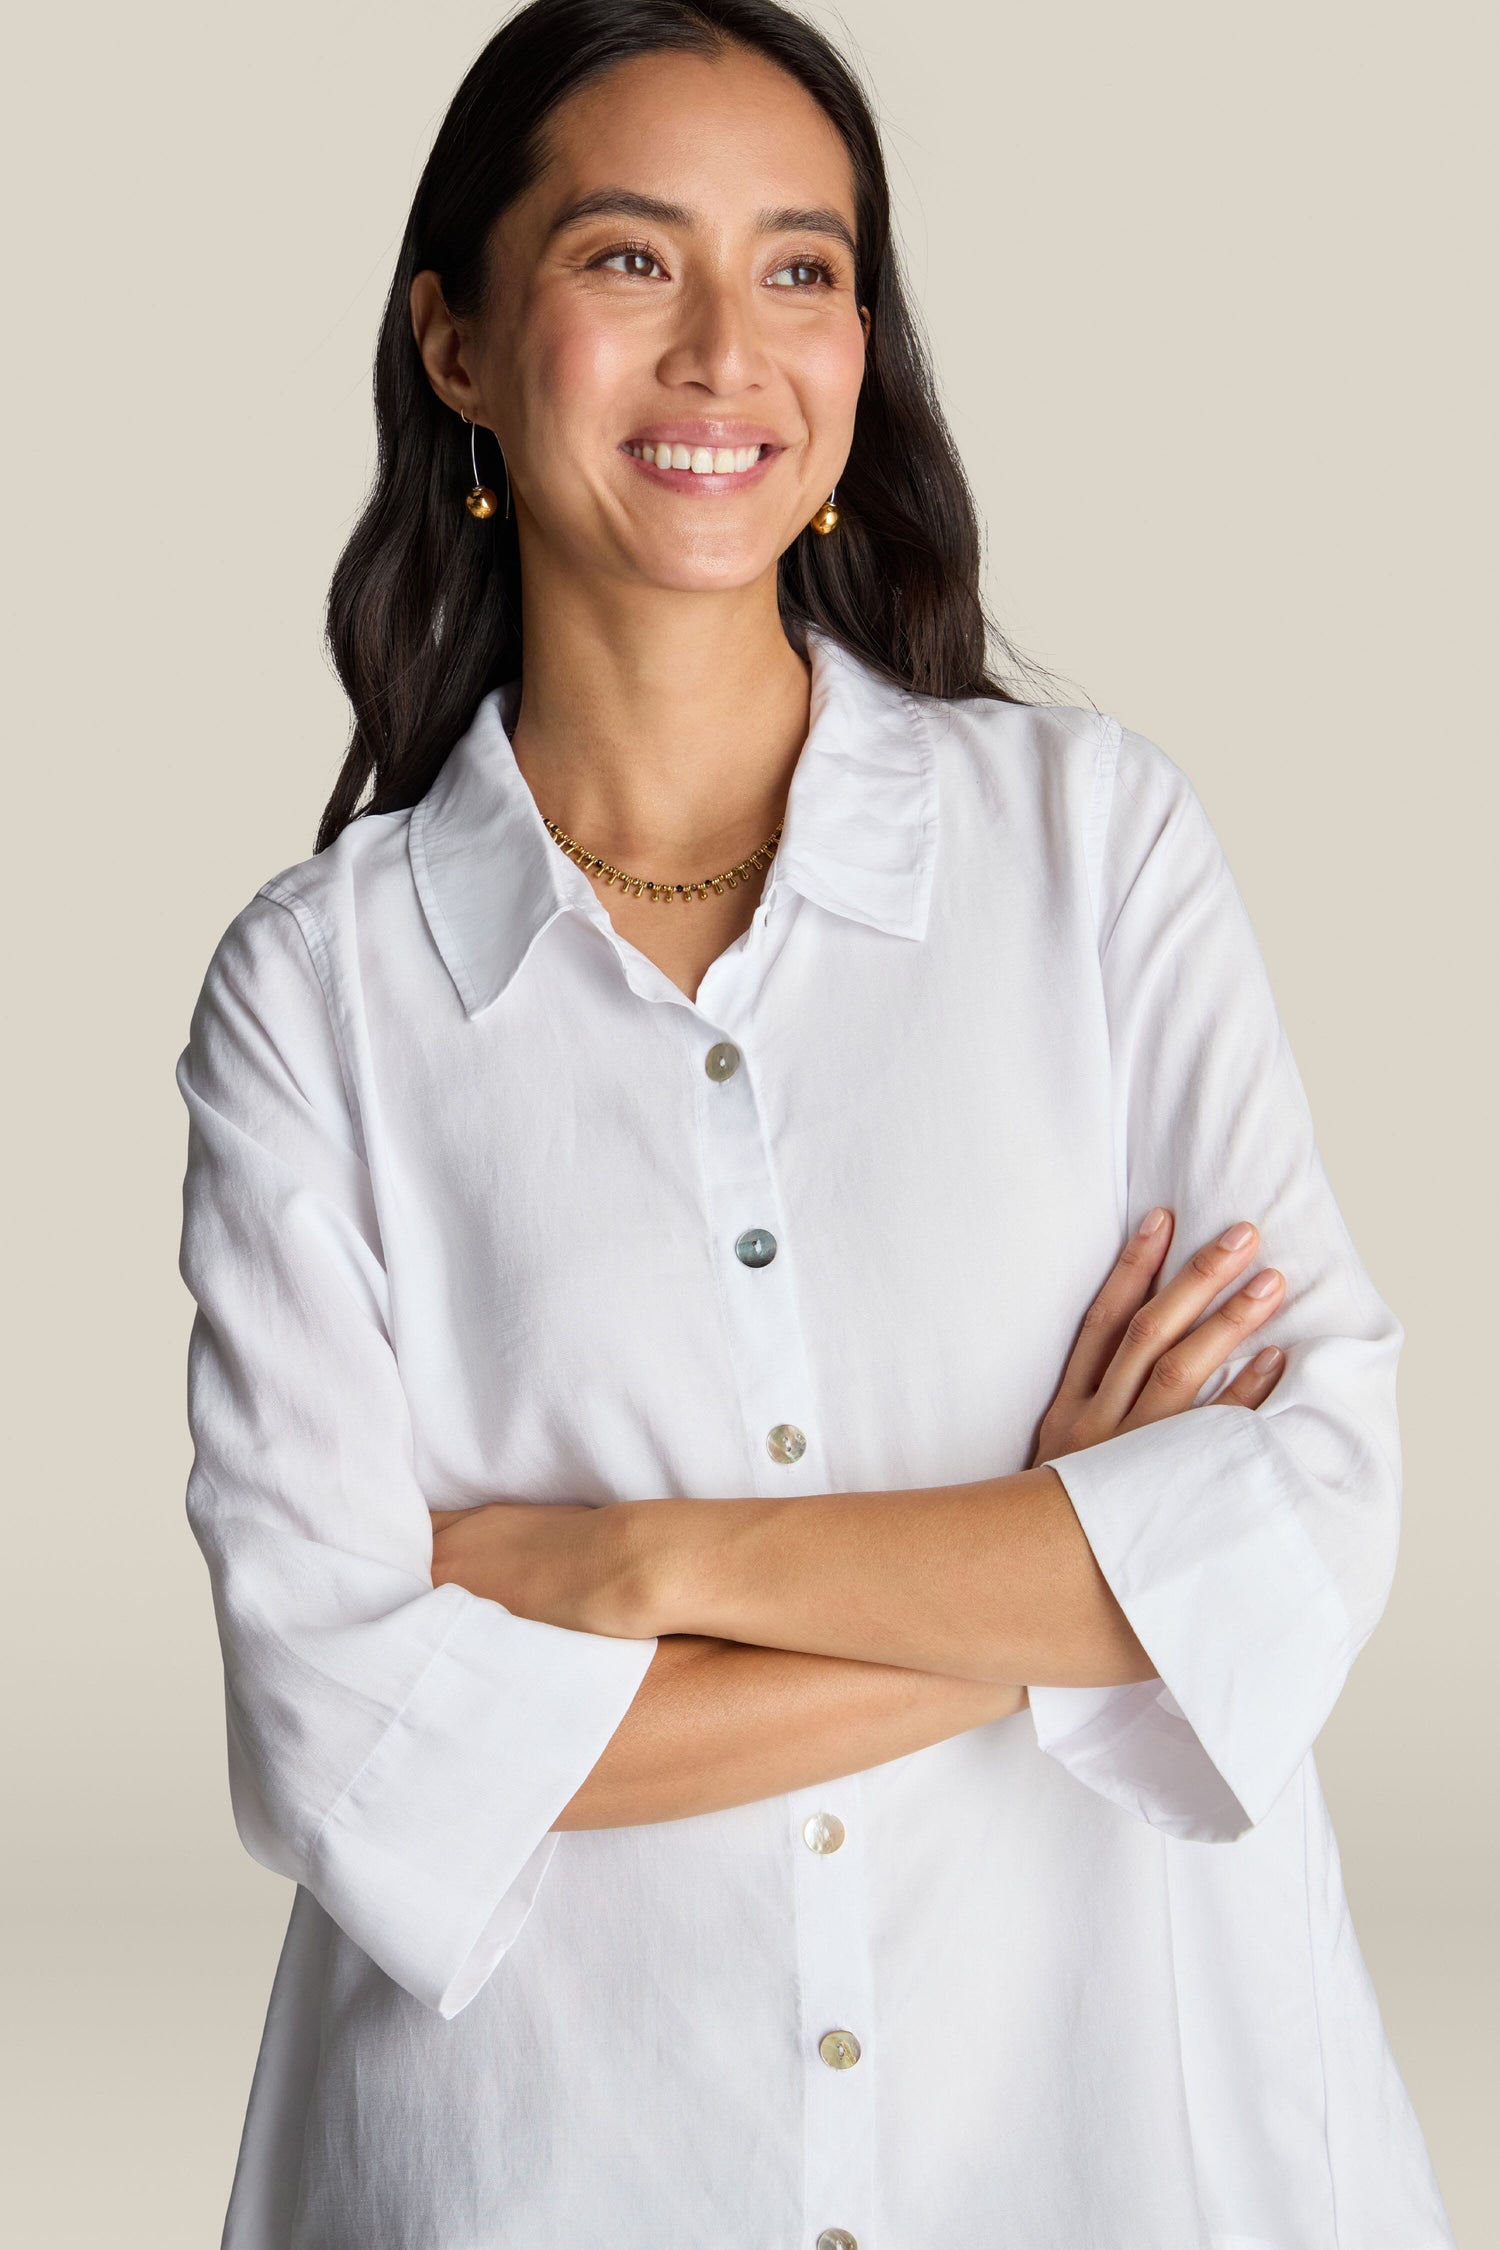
(1208, 290)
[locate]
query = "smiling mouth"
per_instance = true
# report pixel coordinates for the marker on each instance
(721, 465)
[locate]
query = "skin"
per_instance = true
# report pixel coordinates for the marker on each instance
(663, 709)
(662, 714)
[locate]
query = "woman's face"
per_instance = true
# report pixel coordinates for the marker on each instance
(675, 291)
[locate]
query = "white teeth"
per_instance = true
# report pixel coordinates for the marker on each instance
(703, 460)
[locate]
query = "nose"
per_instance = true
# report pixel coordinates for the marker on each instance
(716, 340)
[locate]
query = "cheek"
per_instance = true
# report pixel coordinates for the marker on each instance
(578, 369)
(828, 369)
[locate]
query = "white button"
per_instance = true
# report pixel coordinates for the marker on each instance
(839, 2049)
(722, 1060)
(823, 1832)
(836, 2238)
(786, 1443)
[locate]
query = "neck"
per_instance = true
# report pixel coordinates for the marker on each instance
(661, 731)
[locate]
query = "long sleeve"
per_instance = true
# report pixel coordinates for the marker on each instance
(1252, 1551)
(397, 1748)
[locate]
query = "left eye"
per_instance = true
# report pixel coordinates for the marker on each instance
(801, 266)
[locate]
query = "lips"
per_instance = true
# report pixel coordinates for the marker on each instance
(699, 466)
(711, 430)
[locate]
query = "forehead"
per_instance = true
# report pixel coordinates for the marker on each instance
(724, 135)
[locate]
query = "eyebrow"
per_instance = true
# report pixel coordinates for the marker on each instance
(625, 203)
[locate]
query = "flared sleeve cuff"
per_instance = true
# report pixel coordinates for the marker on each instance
(399, 1749)
(1194, 1524)
(429, 1874)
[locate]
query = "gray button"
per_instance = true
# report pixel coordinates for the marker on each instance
(785, 1443)
(839, 2049)
(823, 1832)
(836, 2238)
(755, 1247)
(722, 1061)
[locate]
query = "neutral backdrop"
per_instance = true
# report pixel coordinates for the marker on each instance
(1210, 295)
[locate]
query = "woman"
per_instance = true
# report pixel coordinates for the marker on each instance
(787, 1699)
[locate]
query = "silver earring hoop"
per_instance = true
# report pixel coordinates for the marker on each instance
(480, 501)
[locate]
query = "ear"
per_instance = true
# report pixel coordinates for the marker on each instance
(441, 347)
(864, 321)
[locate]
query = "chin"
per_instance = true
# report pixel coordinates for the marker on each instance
(706, 569)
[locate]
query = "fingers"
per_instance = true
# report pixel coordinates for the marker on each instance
(1254, 1383)
(1180, 1371)
(1163, 1326)
(1126, 1289)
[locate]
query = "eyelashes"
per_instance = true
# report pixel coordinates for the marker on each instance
(818, 266)
(827, 277)
(626, 250)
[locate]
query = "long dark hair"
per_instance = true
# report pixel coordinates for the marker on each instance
(424, 609)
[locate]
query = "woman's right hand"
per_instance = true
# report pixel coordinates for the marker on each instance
(1139, 1358)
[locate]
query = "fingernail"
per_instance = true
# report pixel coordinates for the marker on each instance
(1265, 1284)
(1237, 1236)
(1153, 1219)
(1265, 1361)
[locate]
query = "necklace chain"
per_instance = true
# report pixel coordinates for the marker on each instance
(642, 886)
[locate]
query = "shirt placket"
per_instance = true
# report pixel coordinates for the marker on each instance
(825, 1834)
(840, 2046)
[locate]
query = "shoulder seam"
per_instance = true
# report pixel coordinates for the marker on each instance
(1106, 765)
(315, 940)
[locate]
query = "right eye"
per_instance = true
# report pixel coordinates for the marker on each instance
(631, 258)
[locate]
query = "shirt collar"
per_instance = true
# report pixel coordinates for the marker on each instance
(859, 835)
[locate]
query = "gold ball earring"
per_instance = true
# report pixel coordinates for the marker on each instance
(827, 516)
(481, 501)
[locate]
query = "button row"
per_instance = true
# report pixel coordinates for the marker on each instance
(757, 1245)
(785, 1443)
(824, 1832)
(821, 1832)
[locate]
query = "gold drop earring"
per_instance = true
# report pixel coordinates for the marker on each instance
(827, 516)
(481, 501)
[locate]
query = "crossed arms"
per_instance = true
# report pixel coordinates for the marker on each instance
(803, 1639)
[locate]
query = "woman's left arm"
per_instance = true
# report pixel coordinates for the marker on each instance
(986, 1581)
(1252, 1553)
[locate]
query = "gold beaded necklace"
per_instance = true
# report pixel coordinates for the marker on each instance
(641, 886)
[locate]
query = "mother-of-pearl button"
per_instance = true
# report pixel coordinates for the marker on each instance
(755, 1247)
(836, 2238)
(839, 2049)
(722, 1060)
(823, 1832)
(785, 1443)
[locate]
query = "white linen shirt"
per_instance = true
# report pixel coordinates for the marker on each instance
(466, 1175)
